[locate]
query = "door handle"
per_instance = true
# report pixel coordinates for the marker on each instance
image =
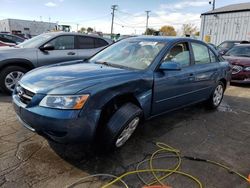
(71, 53)
(191, 77)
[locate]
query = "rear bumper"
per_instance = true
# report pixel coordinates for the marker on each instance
(63, 126)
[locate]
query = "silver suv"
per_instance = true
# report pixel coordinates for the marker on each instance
(45, 49)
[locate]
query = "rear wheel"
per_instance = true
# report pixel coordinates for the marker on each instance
(121, 126)
(9, 77)
(217, 96)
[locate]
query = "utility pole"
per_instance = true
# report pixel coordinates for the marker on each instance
(113, 7)
(77, 27)
(147, 12)
(213, 4)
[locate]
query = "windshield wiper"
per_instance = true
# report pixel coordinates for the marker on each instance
(103, 63)
(112, 65)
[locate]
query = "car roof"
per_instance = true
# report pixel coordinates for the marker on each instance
(161, 38)
(77, 34)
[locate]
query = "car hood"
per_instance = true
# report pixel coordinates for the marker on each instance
(243, 61)
(70, 77)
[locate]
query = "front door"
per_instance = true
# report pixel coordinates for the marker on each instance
(64, 51)
(173, 89)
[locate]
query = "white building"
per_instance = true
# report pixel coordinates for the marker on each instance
(26, 26)
(231, 22)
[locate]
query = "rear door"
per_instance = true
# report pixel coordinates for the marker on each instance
(174, 89)
(88, 46)
(206, 70)
(65, 50)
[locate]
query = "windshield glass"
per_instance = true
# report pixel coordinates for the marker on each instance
(239, 51)
(129, 53)
(226, 45)
(35, 41)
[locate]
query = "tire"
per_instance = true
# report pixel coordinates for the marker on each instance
(217, 96)
(8, 74)
(126, 118)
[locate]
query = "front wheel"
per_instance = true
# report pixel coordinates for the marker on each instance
(9, 76)
(217, 96)
(121, 126)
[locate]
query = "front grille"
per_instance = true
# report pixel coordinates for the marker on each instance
(24, 95)
(236, 69)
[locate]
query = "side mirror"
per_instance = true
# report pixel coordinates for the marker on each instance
(170, 65)
(47, 47)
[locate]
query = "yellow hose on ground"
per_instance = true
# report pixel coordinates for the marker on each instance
(164, 148)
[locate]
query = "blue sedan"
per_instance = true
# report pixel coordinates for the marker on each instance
(107, 96)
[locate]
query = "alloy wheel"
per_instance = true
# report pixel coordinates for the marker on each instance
(12, 78)
(127, 132)
(218, 95)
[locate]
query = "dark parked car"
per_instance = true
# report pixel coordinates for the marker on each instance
(239, 57)
(45, 49)
(107, 96)
(228, 44)
(6, 42)
(11, 38)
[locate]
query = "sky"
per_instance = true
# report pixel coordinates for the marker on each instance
(130, 16)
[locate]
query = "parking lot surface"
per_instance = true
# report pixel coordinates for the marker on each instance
(28, 160)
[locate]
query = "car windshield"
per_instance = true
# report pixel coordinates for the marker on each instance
(239, 51)
(226, 45)
(132, 54)
(35, 41)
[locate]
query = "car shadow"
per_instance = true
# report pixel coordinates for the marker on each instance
(245, 85)
(5, 98)
(93, 160)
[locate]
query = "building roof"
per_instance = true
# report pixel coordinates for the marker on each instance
(230, 8)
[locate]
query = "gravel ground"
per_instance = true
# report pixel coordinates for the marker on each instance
(28, 160)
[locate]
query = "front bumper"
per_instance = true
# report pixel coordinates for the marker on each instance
(241, 77)
(63, 126)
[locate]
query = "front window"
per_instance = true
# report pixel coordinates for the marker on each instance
(180, 54)
(35, 41)
(63, 42)
(239, 51)
(133, 54)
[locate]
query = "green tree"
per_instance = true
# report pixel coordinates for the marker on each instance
(189, 29)
(150, 31)
(89, 29)
(82, 30)
(168, 30)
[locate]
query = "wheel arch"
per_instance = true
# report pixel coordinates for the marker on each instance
(112, 105)
(224, 81)
(17, 62)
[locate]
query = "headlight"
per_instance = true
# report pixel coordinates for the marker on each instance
(247, 69)
(64, 101)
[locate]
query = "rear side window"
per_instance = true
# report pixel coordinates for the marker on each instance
(201, 53)
(100, 43)
(86, 42)
(180, 53)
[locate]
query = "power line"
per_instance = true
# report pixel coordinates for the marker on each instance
(113, 7)
(130, 14)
